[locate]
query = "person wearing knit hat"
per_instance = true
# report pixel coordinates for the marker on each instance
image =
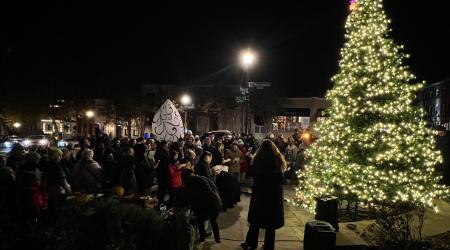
(56, 178)
(87, 174)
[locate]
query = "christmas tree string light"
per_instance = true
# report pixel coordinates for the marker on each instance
(374, 144)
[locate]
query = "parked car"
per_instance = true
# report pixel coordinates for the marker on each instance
(218, 134)
(9, 140)
(39, 140)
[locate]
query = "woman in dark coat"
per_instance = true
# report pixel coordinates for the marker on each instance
(203, 167)
(144, 169)
(266, 204)
(162, 158)
(127, 176)
(217, 154)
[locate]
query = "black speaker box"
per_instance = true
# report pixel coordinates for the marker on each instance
(327, 210)
(319, 235)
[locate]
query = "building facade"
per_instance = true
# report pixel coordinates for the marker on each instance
(435, 99)
(299, 113)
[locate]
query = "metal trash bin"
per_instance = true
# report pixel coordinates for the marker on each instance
(327, 210)
(319, 235)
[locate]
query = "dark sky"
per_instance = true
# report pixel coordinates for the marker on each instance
(71, 49)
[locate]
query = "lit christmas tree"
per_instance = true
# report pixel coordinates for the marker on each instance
(374, 145)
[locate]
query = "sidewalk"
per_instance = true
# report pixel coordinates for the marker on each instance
(233, 228)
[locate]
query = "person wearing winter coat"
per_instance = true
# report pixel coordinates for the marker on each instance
(16, 157)
(201, 195)
(266, 204)
(32, 160)
(203, 167)
(175, 178)
(290, 152)
(236, 157)
(207, 145)
(33, 197)
(127, 176)
(144, 170)
(87, 174)
(162, 159)
(55, 178)
(217, 154)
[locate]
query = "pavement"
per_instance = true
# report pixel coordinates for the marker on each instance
(234, 226)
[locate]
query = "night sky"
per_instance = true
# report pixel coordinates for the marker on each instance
(81, 48)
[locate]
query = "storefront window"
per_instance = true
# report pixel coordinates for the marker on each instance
(290, 123)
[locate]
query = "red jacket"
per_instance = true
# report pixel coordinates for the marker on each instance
(175, 176)
(244, 163)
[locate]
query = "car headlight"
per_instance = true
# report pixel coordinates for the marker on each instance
(26, 143)
(43, 142)
(8, 144)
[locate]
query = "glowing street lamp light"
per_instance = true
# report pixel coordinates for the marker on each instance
(90, 114)
(17, 125)
(248, 58)
(185, 100)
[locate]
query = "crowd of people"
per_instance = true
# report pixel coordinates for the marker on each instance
(205, 175)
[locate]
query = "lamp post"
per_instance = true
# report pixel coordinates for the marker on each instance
(17, 125)
(247, 59)
(89, 114)
(185, 100)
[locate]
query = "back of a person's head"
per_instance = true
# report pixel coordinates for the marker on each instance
(32, 158)
(128, 151)
(186, 173)
(87, 155)
(162, 144)
(139, 150)
(16, 149)
(54, 154)
(268, 158)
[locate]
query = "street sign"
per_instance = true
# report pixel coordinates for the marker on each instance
(259, 85)
(243, 90)
(242, 98)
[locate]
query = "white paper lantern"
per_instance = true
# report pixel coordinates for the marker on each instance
(167, 123)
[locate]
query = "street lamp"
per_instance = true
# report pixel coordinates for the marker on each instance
(90, 114)
(185, 100)
(248, 59)
(17, 125)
